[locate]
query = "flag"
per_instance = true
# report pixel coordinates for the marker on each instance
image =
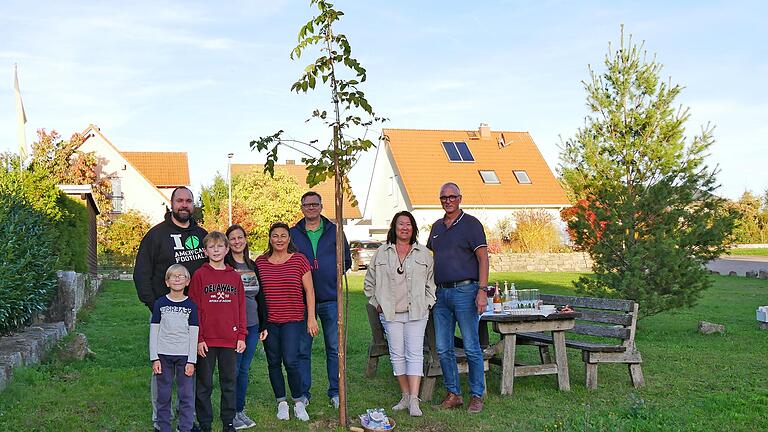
(21, 116)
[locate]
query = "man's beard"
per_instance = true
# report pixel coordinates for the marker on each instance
(182, 218)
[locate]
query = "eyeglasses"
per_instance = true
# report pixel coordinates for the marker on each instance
(311, 205)
(449, 198)
(178, 277)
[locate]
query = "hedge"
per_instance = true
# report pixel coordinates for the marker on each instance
(27, 275)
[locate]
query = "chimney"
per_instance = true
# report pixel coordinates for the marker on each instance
(290, 162)
(485, 131)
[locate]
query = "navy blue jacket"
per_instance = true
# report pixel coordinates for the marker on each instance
(324, 264)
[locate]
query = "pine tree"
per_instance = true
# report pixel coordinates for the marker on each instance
(647, 212)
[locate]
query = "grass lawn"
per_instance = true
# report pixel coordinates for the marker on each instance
(750, 252)
(693, 382)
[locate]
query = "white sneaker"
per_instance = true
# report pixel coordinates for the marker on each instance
(300, 411)
(335, 402)
(282, 411)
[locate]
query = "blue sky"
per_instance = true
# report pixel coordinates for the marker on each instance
(207, 77)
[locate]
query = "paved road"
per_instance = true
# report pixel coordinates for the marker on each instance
(741, 264)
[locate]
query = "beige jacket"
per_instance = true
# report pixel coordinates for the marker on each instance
(418, 267)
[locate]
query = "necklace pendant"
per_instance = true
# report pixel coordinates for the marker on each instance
(399, 270)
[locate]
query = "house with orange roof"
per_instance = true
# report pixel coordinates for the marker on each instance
(326, 189)
(499, 173)
(141, 181)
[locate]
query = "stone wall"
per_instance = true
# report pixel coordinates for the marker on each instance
(541, 262)
(75, 291)
(31, 345)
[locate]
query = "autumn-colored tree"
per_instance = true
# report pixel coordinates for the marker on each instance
(258, 200)
(67, 164)
(119, 241)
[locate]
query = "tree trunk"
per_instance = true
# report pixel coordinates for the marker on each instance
(340, 283)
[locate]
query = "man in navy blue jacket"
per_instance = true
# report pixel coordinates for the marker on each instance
(315, 237)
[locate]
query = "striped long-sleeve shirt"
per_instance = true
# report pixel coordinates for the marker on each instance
(173, 329)
(283, 288)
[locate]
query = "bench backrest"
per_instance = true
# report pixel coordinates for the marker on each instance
(601, 317)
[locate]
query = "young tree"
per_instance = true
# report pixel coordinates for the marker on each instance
(647, 212)
(349, 109)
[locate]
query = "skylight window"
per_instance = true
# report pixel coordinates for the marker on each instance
(489, 177)
(458, 151)
(522, 177)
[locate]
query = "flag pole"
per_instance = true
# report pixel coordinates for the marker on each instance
(21, 116)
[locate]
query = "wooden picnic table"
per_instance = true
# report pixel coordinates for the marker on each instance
(509, 325)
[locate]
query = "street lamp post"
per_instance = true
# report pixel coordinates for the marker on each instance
(229, 180)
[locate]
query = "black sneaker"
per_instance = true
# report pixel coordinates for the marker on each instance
(229, 428)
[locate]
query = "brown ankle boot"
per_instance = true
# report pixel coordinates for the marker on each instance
(475, 405)
(451, 400)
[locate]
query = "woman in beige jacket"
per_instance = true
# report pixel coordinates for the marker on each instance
(400, 284)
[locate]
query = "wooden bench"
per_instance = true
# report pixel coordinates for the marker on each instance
(378, 347)
(609, 326)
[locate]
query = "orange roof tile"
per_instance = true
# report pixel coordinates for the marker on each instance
(325, 189)
(423, 167)
(167, 169)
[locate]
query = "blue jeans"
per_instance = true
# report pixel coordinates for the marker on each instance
(457, 305)
(327, 315)
(282, 350)
(244, 365)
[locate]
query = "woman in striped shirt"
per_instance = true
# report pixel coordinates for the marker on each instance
(286, 280)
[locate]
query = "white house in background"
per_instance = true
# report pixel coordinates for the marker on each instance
(499, 173)
(141, 181)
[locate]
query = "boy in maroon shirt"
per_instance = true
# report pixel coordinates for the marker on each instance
(218, 291)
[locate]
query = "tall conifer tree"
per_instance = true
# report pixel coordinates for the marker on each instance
(647, 212)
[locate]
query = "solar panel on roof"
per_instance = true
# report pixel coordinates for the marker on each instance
(463, 149)
(458, 151)
(450, 150)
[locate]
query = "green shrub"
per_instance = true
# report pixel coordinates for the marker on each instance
(71, 229)
(27, 276)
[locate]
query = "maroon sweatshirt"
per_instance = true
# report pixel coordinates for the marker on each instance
(220, 299)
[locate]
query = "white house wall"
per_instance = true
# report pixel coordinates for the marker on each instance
(138, 193)
(387, 195)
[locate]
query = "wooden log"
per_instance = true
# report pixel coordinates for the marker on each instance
(636, 375)
(561, 358)
(539, 369)
(427, 388)
(371, 367)
(544, 354)
(632, 357)
(536, 326)
(591, 375)
(508, 370)
(602, 331)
